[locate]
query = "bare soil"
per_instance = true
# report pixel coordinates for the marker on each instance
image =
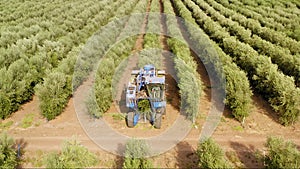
(242, 141)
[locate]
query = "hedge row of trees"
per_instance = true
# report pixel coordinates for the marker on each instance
(287, 24)
(289, 64)
(62, 15)
(250, 13)
(27, 11)
(266, 33)
(49, 34)
(286, 9)
(186, 68)
(238, 92)
(32, 62)
(56, 88)
(279, 90)
(267, 13)
(111, 60)
(280, 154)
(152, 53)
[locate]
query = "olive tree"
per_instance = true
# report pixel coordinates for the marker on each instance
(8, 153)
(282, 154)
(135, 154)
(211, 155)
(72, 155)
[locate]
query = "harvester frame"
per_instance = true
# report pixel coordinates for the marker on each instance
(146, 85)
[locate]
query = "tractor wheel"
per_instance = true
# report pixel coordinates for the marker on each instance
(129, 119)
(163, 111)
(157, 122)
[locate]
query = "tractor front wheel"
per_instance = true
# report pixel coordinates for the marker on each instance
(129, 119)
(157, 121)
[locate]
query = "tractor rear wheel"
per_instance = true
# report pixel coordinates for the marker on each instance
(157, 121)
(129, 119)
(163, 111)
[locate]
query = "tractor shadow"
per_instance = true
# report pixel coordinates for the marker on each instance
(172, 92)
(122, 102)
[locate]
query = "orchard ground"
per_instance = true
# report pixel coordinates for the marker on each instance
(43, 136)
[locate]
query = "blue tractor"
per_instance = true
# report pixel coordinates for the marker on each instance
(145, 96)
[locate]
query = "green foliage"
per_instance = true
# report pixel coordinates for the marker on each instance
(282, 154)
(5, 105)
(277, 88)
(30, 48)
(210, 155)
(53, 94)
(238, 92)
(186, 68)
(105, 73)
(150, 56)
(295, 33)
(27, 120)
(144, 106)
(135, 154)
(14, 87)
(238, 128)
(5, 126)
(118, 52)
(103, 88)
(118, 116)
(286, 62)
(233, 157)
(266, 28)
(72, 155)
(93, 107)
(37, 159)
(8, 154)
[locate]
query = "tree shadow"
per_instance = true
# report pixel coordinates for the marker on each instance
(264, 107)
(246, 155)
(186, 156)
(172, 91)
(20, 145)
(119, 159)
(122, 102)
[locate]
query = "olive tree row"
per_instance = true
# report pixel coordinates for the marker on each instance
(58, 83)
(279, 90)
(186, 68)
(238, 92)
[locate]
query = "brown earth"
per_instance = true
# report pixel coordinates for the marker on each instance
(242, 141)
